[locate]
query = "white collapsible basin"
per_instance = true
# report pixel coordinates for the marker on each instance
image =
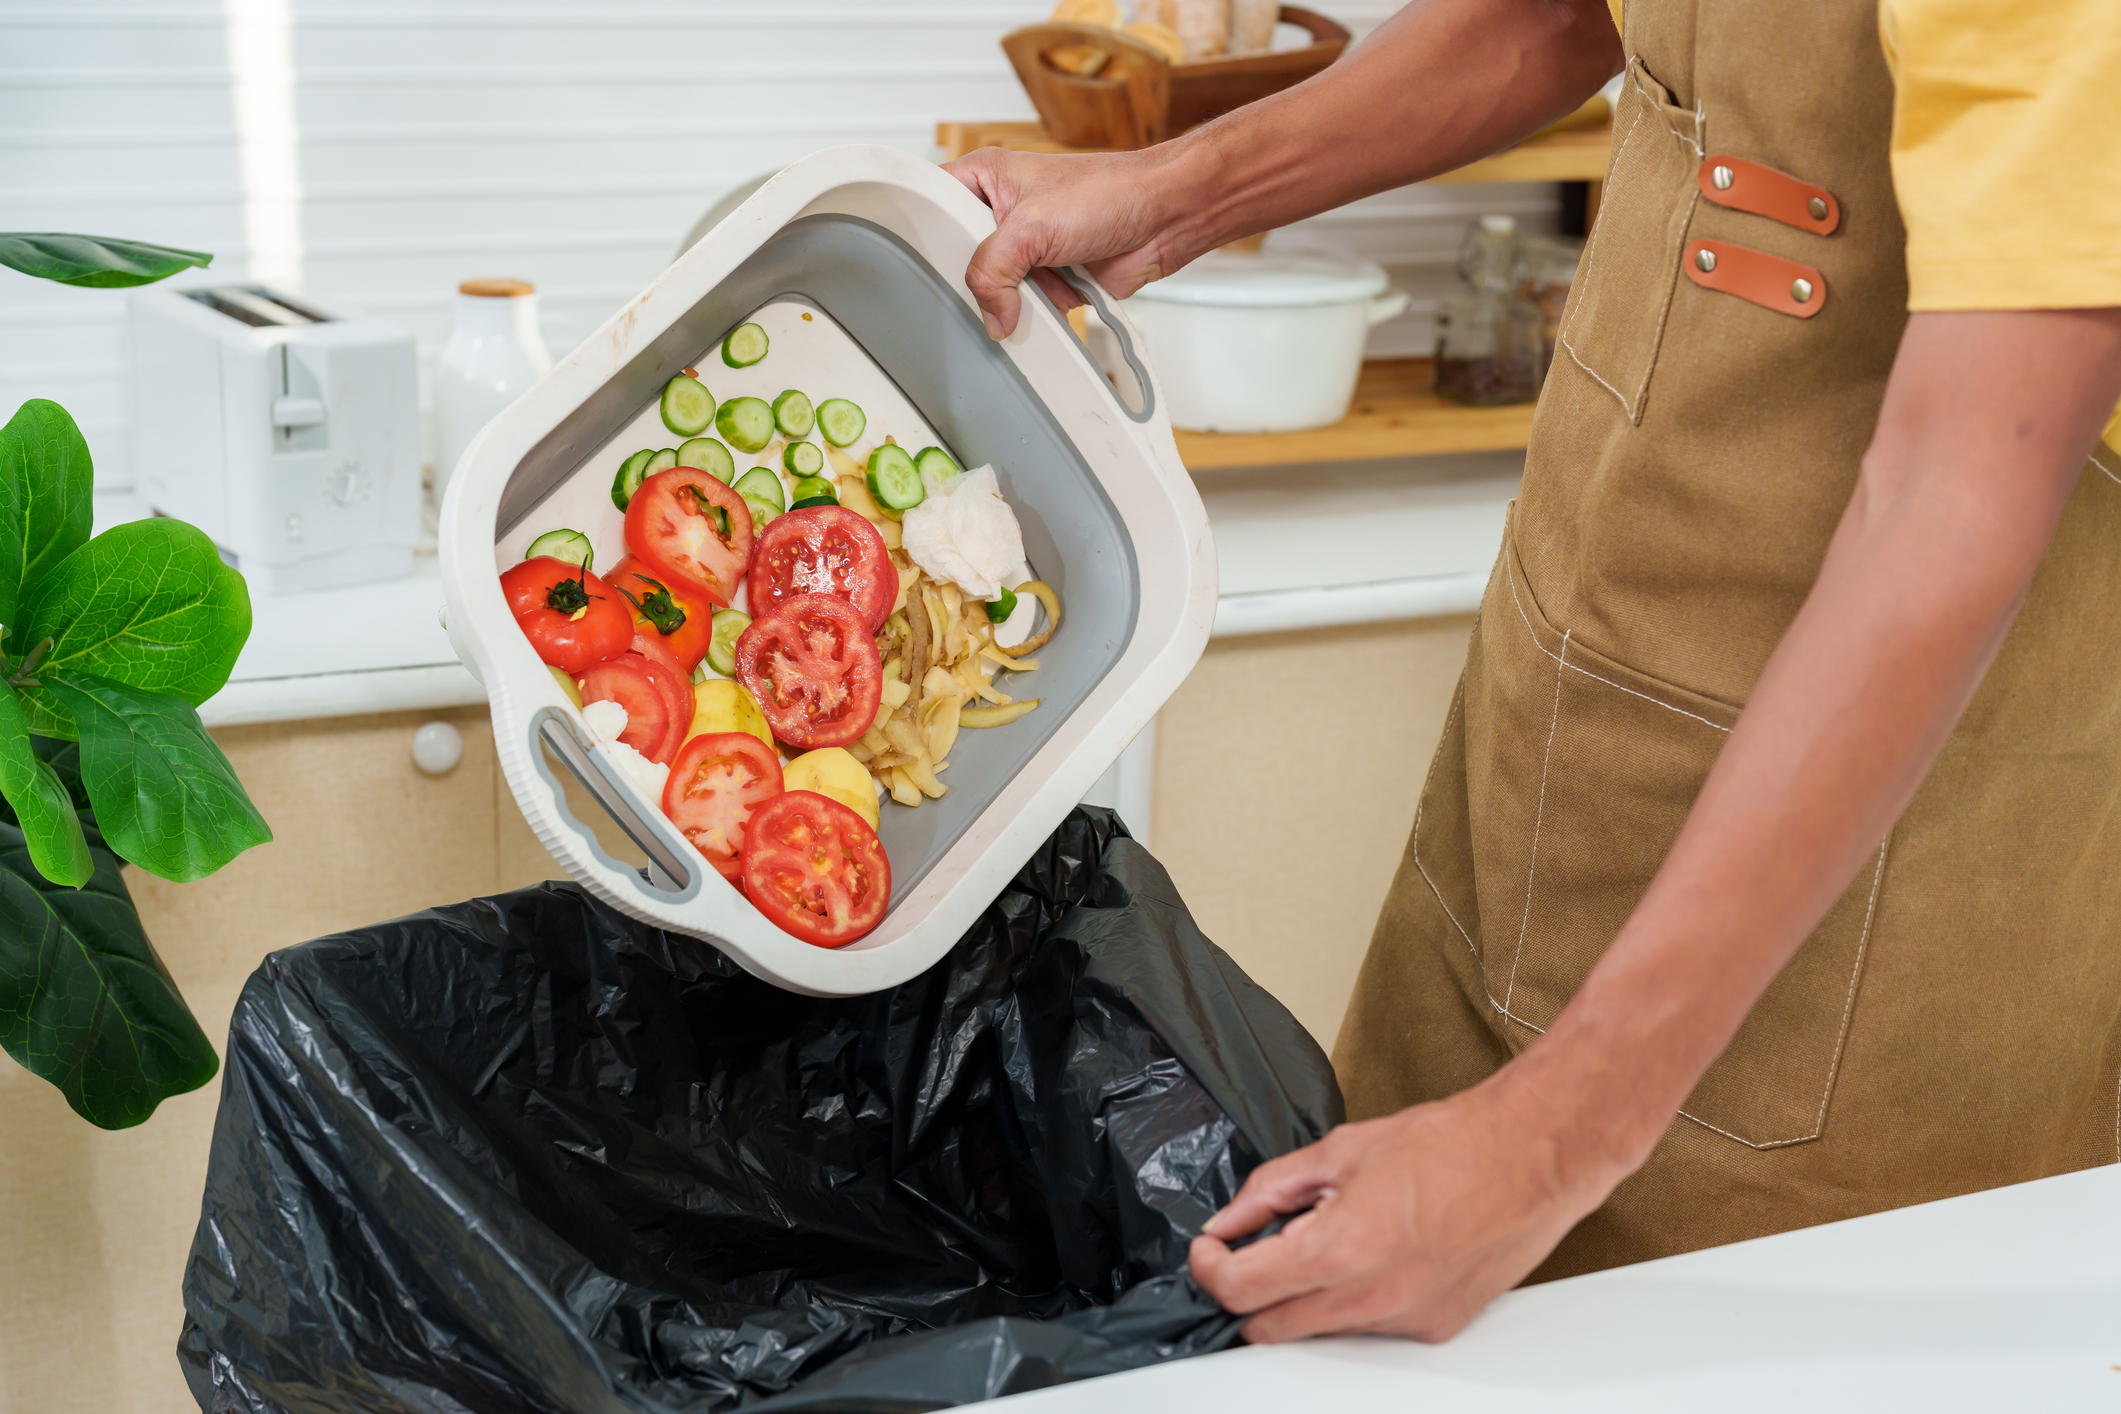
(1268, 342)
(874, 243)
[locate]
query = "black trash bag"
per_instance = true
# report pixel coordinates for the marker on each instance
(527, 1154)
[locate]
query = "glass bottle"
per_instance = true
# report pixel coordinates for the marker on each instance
(1490, 337)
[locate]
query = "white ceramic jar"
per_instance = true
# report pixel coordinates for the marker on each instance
(494, 354)
(1267, 342)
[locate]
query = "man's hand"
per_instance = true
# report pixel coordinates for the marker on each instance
(1415, 1222)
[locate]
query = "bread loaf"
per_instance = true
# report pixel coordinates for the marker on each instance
(1088, 12)
(1202, 26)
(1252, 25)
(1163, 41)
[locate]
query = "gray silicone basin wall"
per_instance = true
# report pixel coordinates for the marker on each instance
(924, 337)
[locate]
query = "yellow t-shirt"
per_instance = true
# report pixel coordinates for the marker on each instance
(2007, 152)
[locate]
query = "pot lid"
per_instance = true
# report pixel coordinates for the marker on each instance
(1269, 280)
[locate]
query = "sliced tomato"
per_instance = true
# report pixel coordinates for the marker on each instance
(630, 681)
(673, 683)
(671, 525)
(812, 665)
(717, 781)
(824, 550)
(569, 615)
(689, 613)
(815, 869)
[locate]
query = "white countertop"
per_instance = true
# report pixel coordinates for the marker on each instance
(2004, 1300)
(1299, 547)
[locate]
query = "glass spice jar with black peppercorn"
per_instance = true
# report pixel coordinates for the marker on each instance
(1491, 338)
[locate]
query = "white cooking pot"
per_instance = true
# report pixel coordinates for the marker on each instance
(1270, 342)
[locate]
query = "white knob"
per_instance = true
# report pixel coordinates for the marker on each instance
(437, 748)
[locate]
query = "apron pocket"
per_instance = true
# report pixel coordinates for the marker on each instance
(1606, 763)
(1615, 320)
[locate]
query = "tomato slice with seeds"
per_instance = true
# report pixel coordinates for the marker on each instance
(569, 615)
(675, 524)
(815, 869)
(824, 550)
(689, 613)
(718, 780)
(812, 665)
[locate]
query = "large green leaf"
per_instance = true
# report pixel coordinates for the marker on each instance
(98, 262)
(84, 1001)
(164, 795)
(148, 604)
(45, 485)
(40, 802)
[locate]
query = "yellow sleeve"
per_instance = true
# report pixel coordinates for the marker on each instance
(2007, 150)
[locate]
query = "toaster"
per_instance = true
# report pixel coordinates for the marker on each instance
(288, 434)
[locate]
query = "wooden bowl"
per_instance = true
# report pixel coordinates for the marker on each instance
(1135, 97)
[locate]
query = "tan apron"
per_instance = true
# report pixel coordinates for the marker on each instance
(1955, 1023)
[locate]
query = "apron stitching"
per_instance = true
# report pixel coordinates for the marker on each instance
(1664, 311)
(1590, 262)
(1595, 677)
(1538, 818)
(2116, 479)
(1419, 805)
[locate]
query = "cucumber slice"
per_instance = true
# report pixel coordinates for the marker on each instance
(894, 480)
(569, 545)
(745, 346)
(688, 408)
(793, 414)
(661, 461)
(812, 488)
(934, 461)
(745, 423)
(729, 626)
(1001, 607)
(632, 472)
(808, 501)
(765, 483)
(840, 421)
(803, 459)
(709, 456)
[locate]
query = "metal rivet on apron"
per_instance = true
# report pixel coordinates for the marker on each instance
(1705, 260)
(1722, 177)
(1817, 208)
(1800, 290)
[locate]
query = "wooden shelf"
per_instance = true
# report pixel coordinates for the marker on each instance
(1394, 415)
(1578, 156)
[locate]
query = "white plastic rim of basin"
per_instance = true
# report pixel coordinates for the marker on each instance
(1132, 458)
(1269, 280)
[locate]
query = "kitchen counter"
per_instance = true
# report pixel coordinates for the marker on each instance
(1299, 547)
(2009, 1299)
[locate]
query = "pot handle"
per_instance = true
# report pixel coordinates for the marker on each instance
(1389, 305)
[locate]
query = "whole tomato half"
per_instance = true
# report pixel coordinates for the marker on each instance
(824, 550)
(813, 667)
(569, 615)
(717, 782)
(815, 869)
(692, 532)
(682, 618)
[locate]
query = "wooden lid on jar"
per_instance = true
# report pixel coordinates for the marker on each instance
(497, 289)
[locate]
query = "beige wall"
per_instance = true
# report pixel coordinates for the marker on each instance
(1286, 774)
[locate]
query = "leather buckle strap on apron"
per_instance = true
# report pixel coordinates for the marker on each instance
(1785, 286)
(1763, 191)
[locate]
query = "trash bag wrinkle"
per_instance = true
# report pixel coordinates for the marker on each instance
(525, 1154)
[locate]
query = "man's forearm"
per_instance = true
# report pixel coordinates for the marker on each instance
(1440, 83)
(1987, 419)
